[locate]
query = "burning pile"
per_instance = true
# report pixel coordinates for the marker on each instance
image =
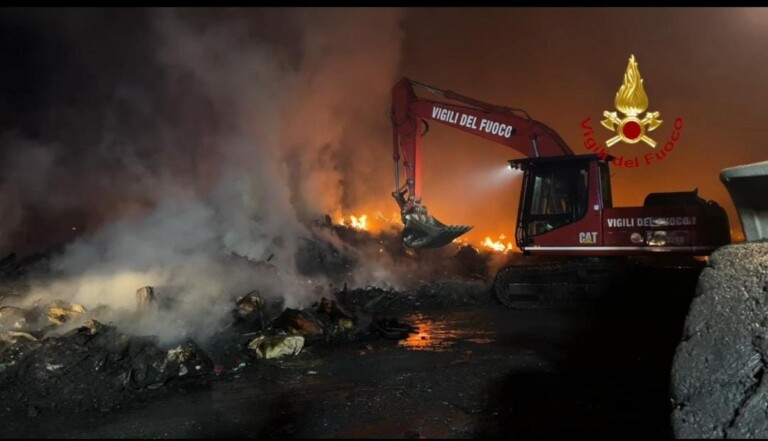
(501, 244)
(498, 245)
(58, 353)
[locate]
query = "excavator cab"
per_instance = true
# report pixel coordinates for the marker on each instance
(555, 193)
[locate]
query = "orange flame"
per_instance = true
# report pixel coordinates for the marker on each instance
(376, 222)
(497, 245)
(358, 223)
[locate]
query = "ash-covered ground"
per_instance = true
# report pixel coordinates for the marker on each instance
(434, 356)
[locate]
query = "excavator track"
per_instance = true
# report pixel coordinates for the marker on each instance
(556, 285)
(583, 282)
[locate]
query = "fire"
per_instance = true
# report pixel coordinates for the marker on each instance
(498, 245)
(358, 223)
(375, 221)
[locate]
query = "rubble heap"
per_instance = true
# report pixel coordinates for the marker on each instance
(91, 367)
(60, 355)
(718, 382)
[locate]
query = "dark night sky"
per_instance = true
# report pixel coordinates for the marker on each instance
(63, 68)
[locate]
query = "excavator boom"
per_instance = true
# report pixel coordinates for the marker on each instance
(513, 128)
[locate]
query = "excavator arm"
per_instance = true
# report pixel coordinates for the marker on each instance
(513, 128)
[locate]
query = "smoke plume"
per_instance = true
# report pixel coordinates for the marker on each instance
(175, 139)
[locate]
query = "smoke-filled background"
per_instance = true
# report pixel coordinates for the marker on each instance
(168, 140)
(109, 113)
(159, 142)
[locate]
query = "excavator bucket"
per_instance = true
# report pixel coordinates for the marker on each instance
(424, 231)
(747, 185)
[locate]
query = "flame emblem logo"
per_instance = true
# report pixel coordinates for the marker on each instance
(631, 100)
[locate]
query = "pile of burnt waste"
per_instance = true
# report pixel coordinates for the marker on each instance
(59, 355)
(64, 356)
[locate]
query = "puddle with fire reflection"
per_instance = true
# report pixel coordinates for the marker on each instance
(435, 333)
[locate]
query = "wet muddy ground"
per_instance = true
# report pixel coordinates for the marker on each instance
(478, 371)
(469, 368)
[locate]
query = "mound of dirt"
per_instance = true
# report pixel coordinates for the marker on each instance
(719, 389)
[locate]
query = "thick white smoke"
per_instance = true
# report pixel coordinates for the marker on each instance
(244, 172)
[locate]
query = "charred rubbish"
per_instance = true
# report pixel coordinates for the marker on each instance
(249, 313)
(145, 298)
(299, 322)
(276, 346)
(62, 356)
(93, 367)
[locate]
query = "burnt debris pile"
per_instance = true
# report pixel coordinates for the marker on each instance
(59, 355)
(339, 252)
(71, 357)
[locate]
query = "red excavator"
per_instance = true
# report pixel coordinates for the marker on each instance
(565, 200)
